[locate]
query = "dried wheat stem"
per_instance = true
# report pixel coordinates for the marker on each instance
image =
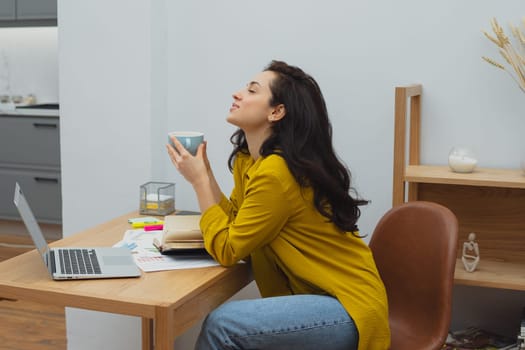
(514, 56)
(494, 63)
(494, 40)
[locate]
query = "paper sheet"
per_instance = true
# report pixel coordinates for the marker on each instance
(149, 259)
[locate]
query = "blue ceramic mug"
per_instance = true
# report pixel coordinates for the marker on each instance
(189, 139)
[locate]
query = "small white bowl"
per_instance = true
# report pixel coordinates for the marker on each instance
(462, 160)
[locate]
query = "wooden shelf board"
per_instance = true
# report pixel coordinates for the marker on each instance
(490, 177)
(492, 274)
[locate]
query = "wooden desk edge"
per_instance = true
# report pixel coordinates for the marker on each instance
(138, 309)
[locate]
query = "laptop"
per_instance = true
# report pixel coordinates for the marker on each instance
(76, 262)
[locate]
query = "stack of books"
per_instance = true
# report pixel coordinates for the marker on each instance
(181, 236)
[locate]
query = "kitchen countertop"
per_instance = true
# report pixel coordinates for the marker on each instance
(9, 109)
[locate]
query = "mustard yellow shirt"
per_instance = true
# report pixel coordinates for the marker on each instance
(293, 248)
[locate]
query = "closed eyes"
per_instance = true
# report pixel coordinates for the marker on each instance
(252, 87)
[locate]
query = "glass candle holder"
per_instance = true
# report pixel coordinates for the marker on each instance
(157, 198)
(462, 160)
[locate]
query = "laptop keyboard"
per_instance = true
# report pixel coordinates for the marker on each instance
(79, 261)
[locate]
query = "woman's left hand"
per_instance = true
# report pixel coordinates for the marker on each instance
(193, 168)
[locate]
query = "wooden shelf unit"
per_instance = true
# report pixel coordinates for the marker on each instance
(489, 202)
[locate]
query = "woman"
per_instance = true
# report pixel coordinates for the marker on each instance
(291, 214)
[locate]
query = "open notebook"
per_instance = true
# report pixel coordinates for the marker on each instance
(78, 262)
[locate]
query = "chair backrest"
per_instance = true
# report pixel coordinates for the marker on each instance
(415, 247)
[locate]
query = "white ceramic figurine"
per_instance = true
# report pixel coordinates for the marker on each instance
(470, 255)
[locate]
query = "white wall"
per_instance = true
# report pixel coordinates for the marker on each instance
(29, 62)
(358, 51)
(105, 119)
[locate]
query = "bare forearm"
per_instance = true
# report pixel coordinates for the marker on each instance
(206, 193)
(217, 192)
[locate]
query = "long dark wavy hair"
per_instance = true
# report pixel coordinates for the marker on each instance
(304, 139)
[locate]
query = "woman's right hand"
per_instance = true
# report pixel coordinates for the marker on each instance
(195, 169)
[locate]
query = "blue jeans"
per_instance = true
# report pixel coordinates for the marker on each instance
(289, 322)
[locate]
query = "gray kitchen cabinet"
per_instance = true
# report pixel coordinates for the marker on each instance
(30, 155)
(28, 140)
(23, 13)
(36, 9)
(42, 189)
(7, 10)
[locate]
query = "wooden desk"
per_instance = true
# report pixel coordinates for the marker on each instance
(168, 302)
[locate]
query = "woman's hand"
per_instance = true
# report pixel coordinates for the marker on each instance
(195, 169)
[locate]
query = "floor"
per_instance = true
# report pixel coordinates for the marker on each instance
(25, 325)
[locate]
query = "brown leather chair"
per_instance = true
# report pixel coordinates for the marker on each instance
(415, 246)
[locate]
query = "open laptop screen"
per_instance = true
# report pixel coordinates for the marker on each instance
(31, 223)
